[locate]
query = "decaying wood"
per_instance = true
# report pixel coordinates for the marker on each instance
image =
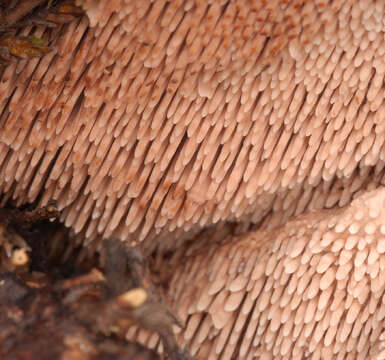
(75, 313)
(16, 14)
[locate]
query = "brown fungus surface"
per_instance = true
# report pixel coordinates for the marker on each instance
(267, 106)
(311, 289)
(151, 120)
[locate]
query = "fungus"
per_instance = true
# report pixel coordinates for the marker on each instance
(267, 106)
(310, 289)
(152, 120)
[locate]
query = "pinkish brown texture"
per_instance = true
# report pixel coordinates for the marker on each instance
(311, 289)
(155, 119)
(166, 117)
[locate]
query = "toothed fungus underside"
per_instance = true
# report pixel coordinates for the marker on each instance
(151, 120)
(311, 289)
